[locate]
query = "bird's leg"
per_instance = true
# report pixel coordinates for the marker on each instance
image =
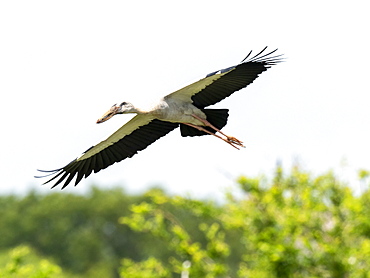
(229, 138)
(207, 131)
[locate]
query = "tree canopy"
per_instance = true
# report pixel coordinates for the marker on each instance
(290, 225)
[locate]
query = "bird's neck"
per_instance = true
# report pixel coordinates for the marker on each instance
(136, 110)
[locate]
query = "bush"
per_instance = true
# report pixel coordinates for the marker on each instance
(23, 262)
(295, 225)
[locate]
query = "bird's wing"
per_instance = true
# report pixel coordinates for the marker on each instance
(134, 136)
(222, 83)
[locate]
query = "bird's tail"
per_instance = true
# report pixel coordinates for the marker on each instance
(217, 117)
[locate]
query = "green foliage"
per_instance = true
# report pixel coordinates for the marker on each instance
(20, 263)
(363, 174)
(160, 216)
(150, 268)
(292, 226)
(81, 233)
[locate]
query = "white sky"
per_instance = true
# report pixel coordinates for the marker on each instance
(64, 63)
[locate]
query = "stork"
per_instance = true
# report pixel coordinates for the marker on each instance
(184, 108)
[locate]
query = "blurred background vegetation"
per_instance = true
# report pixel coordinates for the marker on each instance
(292, 225)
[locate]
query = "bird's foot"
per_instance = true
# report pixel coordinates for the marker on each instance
(235, 141)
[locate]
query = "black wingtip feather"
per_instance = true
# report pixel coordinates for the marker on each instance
(258, 58)
(65, 174)
(246, 57)
(257, 55)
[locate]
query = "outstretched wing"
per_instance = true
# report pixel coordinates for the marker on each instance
(134, 136)
(220, 84)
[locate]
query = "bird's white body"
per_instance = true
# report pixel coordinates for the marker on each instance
(173, 110)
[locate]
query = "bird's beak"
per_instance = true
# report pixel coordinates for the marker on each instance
(109, 114)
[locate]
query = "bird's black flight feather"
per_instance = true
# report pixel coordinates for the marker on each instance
(127, 147)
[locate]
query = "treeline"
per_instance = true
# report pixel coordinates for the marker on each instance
(293, 225)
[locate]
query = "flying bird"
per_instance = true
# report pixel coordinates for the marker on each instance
(184, 108)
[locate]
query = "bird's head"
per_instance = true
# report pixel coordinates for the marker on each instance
(122, 108)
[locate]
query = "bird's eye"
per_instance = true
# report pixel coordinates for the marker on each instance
(123, 103)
